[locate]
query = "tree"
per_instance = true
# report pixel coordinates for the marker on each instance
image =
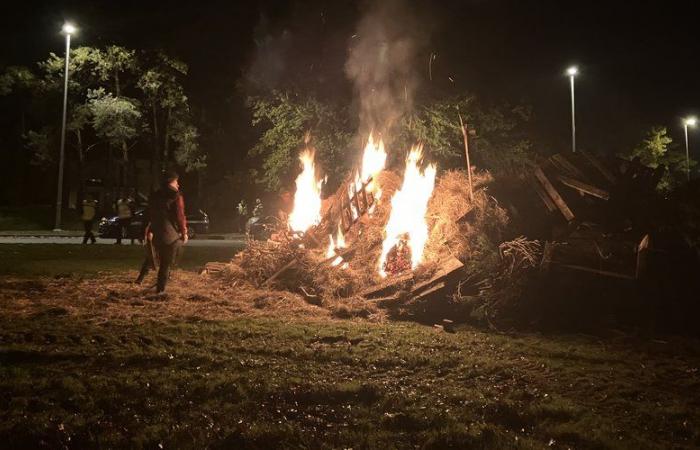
(657, 151)
(287, 119)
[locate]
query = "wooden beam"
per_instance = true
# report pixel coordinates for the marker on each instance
(554, 195)
(543, 196)
(391, 284)
(564, 165)
(599, 167)
(446, 269)
(584, 187)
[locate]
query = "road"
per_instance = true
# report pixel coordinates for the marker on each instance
(237, 242)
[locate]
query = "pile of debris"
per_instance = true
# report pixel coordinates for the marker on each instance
(600, 214)
(338, 259)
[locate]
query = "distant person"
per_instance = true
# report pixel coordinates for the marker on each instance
(167, 227)
(124, 214)
(88, 218)
(242, 210)
(286, 205)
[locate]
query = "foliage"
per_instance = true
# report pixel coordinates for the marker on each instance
(288, 118)
(17, 78)
(113, 118)
(41, 145)
(499, 144)
(657, 151)
(117, 98)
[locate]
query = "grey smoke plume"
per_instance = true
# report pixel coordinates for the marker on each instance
(382, 64)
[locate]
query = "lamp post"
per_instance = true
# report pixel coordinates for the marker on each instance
(68, 29)
(572, 72)
(688, 122)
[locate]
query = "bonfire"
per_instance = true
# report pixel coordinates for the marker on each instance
(384, 239)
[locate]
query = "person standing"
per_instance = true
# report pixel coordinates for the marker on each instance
(88, 218)
(167, 225)
(123, 219)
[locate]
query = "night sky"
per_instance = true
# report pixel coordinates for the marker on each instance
(636, 59)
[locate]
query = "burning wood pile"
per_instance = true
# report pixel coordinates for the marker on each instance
(398, 241)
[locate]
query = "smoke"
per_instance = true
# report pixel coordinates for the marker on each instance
(382, 64)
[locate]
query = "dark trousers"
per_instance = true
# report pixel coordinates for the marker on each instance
(167, 254)
(123, 229)
(87, 225)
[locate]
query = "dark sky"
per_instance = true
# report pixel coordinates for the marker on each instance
(637, 59)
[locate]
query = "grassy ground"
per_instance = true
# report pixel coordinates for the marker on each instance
(103, 365)
(67, 259)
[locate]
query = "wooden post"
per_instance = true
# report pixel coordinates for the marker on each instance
(466, 152)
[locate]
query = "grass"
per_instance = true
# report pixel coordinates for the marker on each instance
(85, 376)
(69, 259)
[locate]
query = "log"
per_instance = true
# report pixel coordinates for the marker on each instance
(554, 195)
(387, 286)
(443, 273)
(584, 187)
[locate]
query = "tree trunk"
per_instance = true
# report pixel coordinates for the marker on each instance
(155, 152)
(166, 135)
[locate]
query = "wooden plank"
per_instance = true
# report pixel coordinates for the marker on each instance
(543, 196)
(546, 256)
(598, 166)
(606, 273)
(446, 269)
(554, 195)
(433, 291)
(564, 165)
(389, 285)
(584, 187)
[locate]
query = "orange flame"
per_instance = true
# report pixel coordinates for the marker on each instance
(307, 198)
(408, 208)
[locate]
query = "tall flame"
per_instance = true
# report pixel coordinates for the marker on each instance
(408, 208)
(373, 159)
(307, 198)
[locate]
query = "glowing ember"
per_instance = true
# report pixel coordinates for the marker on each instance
(307, 198)
(409, 205)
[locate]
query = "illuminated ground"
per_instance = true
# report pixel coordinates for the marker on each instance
(105, 365)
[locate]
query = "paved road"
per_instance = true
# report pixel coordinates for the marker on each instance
(77, 240)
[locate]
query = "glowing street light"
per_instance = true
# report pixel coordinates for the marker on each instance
(572, 72)
(68, 29)
(688, 122)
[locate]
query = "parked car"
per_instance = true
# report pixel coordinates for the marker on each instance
(108, 228)
(260, 228)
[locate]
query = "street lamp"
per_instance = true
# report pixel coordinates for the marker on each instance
(688, 122)
(572, 72)
(68, 29)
